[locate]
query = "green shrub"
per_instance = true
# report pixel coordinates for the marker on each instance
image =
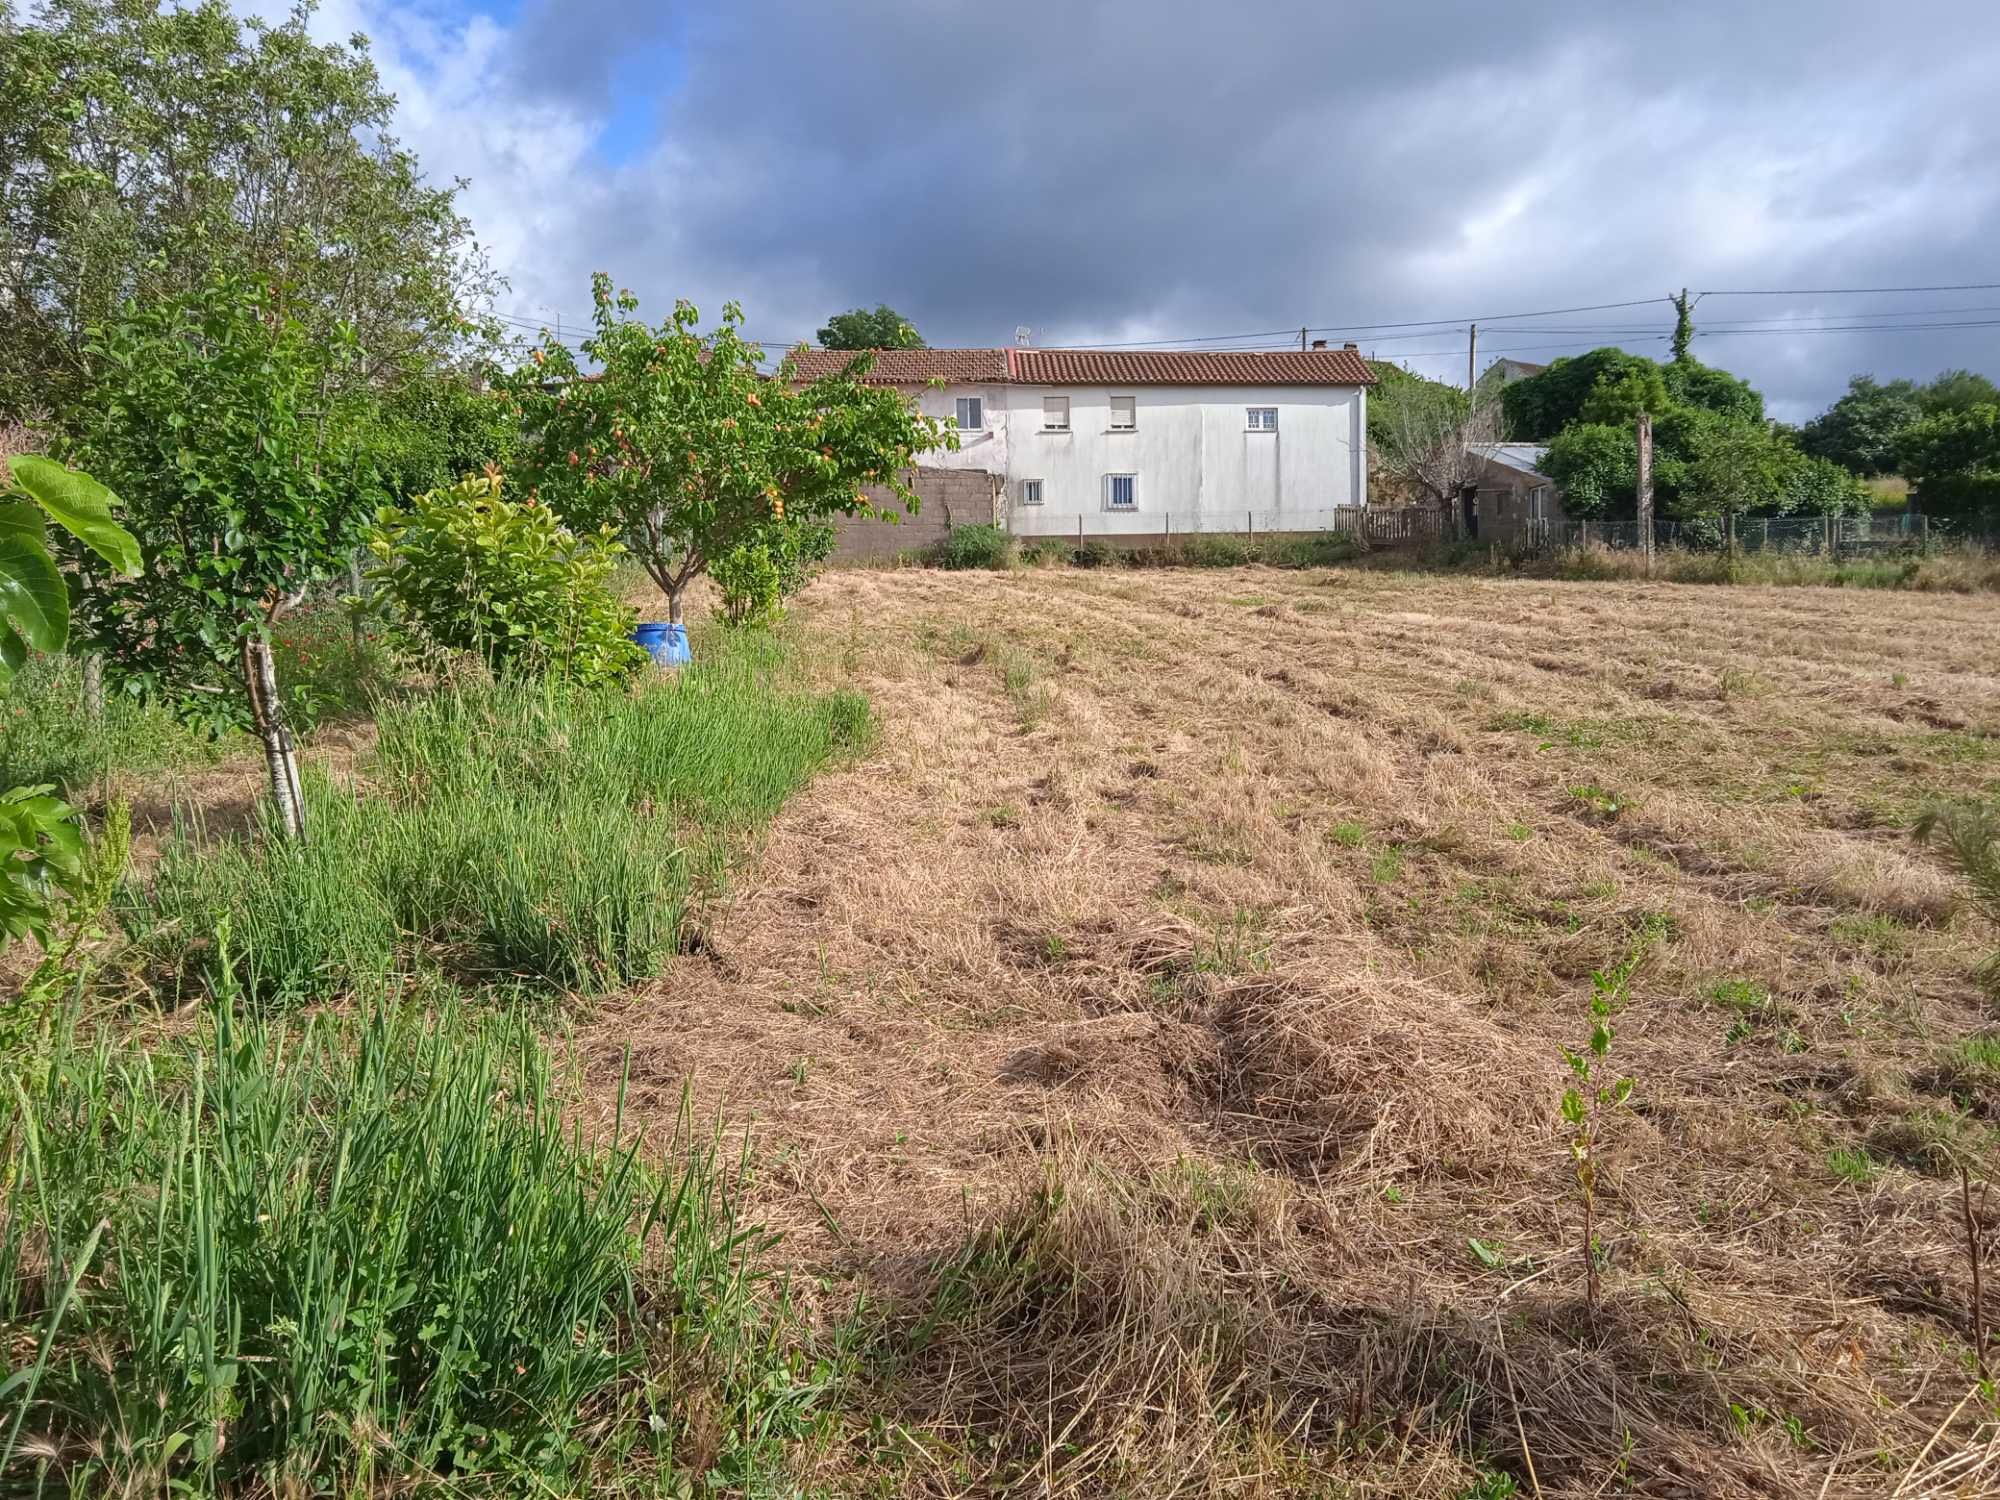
(256, 1259)
(975, 547)
(516, 829)
(760, 575)
(467, 570)
(1097, 553)
(1218, 551)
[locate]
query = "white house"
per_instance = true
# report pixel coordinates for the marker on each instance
(1133, 443)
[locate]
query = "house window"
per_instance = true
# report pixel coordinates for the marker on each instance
(1055, 414)
(971, 417)
(1124, 413)
(1263, 418)
(1031, 492)
(1120, 491)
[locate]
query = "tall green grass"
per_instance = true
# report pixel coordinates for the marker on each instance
(47, 737)
(509, 831)
(300, 1260)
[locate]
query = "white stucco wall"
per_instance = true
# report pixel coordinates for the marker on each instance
(985, 450)
(1197, 464)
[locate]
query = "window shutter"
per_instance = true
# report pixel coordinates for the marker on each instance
(1123, 411)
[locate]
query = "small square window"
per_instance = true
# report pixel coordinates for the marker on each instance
(1031, 492)
(1055, 414)
(1124, 413)
(1120, 491)
(1263, 418)
(971, 415)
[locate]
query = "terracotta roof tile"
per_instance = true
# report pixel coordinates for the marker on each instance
(1096, 366)
(909, 366)
(1189, 367)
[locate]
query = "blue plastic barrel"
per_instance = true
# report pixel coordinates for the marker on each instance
(666, 643)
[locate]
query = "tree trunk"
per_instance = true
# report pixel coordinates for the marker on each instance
(93, 685)
(281, 758)
(674, 604)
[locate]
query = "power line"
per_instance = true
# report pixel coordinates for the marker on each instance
(1858, 291)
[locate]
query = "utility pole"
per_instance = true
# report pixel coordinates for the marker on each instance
(1302, 341)
(1646, 488)
(1683, 323)
(1471, 357)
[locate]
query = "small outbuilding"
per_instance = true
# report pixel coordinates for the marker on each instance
(1513, 503)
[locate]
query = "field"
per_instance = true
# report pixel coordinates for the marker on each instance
(1165, 1022)
(1122, 1057)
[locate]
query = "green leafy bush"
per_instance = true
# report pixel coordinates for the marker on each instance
(975, 547)
(468, 570)
(758, 576)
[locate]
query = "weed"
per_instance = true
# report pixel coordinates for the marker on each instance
(1520, 833)
(1348, 834)
(976, 547)
(1386, 866)
(1853, 1164)
(1739, 994)
(1604, 804)
(1970, 835)
(1591, 1095)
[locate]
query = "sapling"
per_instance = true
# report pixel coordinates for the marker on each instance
(1594, 1091)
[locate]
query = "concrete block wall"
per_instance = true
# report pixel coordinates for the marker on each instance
(949, 497)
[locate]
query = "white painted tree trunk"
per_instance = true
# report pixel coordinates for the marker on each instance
(281, 758)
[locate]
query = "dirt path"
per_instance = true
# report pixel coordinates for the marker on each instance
(1309, 872)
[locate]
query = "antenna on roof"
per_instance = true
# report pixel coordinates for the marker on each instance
(1024, 336)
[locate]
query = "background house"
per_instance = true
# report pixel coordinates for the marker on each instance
(1512, 503)
(1132, 444)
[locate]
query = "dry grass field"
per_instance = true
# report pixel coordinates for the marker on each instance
(1157, 1034)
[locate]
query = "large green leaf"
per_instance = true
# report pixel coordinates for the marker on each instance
(81, 506)
(33, 598)
(22, 519)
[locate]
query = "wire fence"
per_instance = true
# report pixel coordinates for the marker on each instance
(1818, 536)
(1825, 536)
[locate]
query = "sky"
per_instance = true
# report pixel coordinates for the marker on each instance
(1166, 172)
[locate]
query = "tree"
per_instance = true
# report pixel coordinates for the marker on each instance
(1953, 459)
(1539, 407)
(1596, 466)
(1427, 433)
(680, 444)
(143, 146)
(1956, 391)
(884, 328)
(1738, 468)
(441, 427)
(1860, 430)
(222, 422)
(41, 847)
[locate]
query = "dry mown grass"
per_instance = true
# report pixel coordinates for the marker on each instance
(1160, 1029)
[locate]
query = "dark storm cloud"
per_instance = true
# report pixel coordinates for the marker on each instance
(1146, 169)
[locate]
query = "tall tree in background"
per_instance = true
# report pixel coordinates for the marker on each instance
(144, 145)
(884, 328)
(1860, 430)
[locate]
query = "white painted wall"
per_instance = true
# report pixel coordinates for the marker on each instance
(986, 449)
(1198, 467)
